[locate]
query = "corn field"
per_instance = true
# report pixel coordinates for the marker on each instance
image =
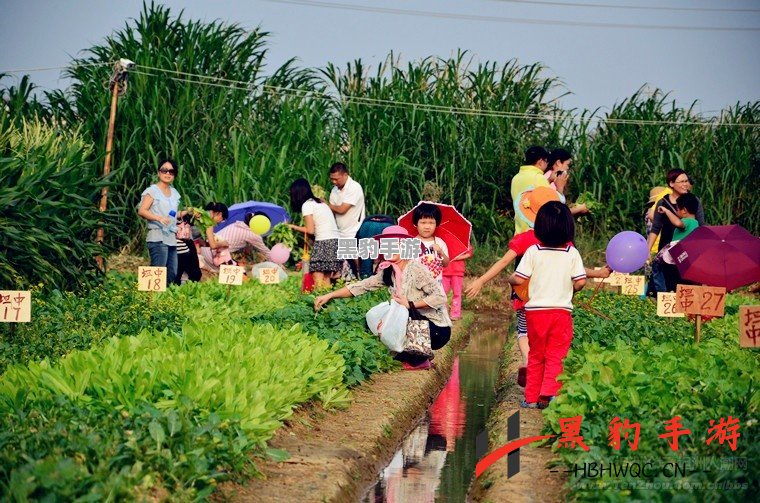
(200, 93)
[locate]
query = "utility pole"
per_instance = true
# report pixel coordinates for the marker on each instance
(118, 86)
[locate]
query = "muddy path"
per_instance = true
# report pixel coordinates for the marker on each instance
(536, 482)
(335, 455)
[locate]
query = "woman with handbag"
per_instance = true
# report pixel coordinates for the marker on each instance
(412, 286)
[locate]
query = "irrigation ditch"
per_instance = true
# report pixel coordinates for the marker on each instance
(409, 436)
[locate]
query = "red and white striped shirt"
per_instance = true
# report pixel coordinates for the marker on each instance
(238, 235)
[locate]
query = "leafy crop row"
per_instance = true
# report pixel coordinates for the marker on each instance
(646, 369)
(117, 394)
(342, 325)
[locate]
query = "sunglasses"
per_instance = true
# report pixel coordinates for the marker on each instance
(167, 172)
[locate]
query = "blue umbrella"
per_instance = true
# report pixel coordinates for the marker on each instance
(237, 212)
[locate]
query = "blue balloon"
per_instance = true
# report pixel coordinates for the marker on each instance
(627, 251)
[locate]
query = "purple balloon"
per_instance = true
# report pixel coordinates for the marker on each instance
(627, 251)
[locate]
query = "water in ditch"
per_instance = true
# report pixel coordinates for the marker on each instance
(437, 460)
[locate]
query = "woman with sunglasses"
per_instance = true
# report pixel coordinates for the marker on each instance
(157, 204)
(665, 277)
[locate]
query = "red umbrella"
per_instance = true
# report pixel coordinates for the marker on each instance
(454, 229)
(719, 255)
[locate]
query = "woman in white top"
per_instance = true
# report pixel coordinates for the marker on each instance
(158, 203)
(320, 222)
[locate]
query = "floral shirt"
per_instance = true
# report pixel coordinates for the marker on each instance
(417, 284)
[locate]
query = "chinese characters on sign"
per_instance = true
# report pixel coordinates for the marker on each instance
(368, 248)
(15, 306)
(151, 279)
(617, 278)
(749, 326)
(632, 285)
(704, 300)
(269, 275)
(231, 275)
(666, 305)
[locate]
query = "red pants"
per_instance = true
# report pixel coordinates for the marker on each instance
(454, 283)
(550, 332)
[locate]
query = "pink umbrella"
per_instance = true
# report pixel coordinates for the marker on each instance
(454, 229)
(719, 255)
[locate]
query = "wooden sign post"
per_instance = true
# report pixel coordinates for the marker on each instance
(666, 305)
(269, 275)
(15, 306)
(633, 285)
(700, 301)
(749, 326)
(231, 275)
(151, 279)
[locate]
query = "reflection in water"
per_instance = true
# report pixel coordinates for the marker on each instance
(436, 461)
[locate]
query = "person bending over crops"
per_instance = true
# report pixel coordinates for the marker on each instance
(555, 270)
(218, 250)
(666, 275)
(409, 282)
(237, 236)
(320, 222)
(158, 203)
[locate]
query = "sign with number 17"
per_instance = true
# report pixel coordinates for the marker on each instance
(15, 306)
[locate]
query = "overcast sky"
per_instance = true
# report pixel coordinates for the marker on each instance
(602, 53)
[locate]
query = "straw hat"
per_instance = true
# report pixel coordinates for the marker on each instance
(654, 193)
(530, 201)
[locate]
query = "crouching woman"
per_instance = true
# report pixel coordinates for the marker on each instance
(409, 282)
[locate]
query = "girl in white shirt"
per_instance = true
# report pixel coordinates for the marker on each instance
(320, 222)
(555, 270)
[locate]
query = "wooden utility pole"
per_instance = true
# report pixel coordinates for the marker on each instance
(118, 86)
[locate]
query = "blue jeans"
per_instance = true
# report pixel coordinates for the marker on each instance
(657, 282)
(162, 255)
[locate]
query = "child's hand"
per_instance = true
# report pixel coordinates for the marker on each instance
(473, 289)
(663, 209)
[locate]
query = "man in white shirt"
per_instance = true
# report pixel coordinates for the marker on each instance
(346, 201)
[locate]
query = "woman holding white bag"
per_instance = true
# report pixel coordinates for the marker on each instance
(412, 286)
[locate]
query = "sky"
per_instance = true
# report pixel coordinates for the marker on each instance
(602, 50)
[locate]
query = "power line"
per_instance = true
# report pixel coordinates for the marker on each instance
(500, 19)
(631, 7)
(362, 100)
(221, 82)
(45, 69)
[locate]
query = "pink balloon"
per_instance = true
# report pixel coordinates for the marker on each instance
(279, 254)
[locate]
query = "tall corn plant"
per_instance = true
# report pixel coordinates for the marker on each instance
(409, 124)
(48, 207)
(194, 95)
(619, 163)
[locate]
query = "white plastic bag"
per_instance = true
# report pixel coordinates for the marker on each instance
(375, 317)
(388, 320)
